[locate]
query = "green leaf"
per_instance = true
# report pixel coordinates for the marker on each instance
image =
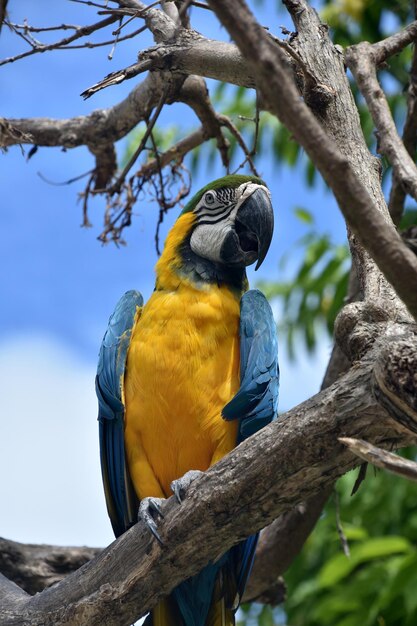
(304, 215)
(340, 566)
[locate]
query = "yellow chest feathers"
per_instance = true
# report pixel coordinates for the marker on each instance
(182, 368)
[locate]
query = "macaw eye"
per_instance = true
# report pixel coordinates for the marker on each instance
(209, 198)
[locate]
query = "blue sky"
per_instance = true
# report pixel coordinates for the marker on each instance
(59, 284)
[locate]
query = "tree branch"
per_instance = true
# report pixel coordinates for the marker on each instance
(100, 125)
(34, 567)
(397, 193)
(81, 31)
(362, 59)
(195, 94)
(162, 27)
(191, 53)
(396, 43)
(381, 458)
(285, 463)
(296, 460)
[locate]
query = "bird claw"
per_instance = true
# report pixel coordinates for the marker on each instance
(149, 507)
(180, 486)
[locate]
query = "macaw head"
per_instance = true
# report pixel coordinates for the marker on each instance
(225, 227)
(234, 221)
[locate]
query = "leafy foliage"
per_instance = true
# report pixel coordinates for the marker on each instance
(376, 585)
(313, 295)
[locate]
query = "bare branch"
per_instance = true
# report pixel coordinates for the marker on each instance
(227, 122)
(108, 42)
(397, 193)
(11, 135)
(103, 124)
(42, 29)
(191, 54)
(81, 31)
(381, 458)
(90, 3)
(195, 93)
(175, 153)
(115, 188)
(106, 163)
(114, 78)
(162, 27)
(394, 44)
(362, 59)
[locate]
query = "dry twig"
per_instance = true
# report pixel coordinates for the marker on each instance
(81, 31)
(227, 122)
(381, 458)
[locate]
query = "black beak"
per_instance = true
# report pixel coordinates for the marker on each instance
(254, 226)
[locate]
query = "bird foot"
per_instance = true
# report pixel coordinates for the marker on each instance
(180, 486)
(149, 508)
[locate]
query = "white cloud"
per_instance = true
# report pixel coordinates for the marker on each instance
(50, 486)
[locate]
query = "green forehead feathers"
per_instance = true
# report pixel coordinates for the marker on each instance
(234, 180)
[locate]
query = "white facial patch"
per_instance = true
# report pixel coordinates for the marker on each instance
(207, 239)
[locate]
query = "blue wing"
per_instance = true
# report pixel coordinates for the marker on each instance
(120, 497)
(256, 402)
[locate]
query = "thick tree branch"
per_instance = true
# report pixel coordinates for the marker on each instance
(106, 125)
(279, 544)
(34, 567)
(285, 463)
(162, 27)
(191, 53)
(365, 213)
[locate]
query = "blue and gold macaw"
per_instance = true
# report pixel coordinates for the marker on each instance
(187, 376)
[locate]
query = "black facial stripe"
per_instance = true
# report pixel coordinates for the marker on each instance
(216, 217)
(221, 219)
(210, 210)
(217, 212)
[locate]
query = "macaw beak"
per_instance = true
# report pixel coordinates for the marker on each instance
(254, 226)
